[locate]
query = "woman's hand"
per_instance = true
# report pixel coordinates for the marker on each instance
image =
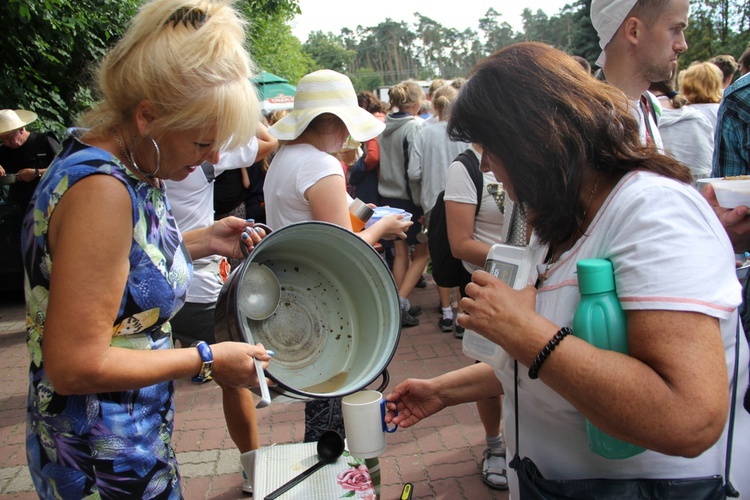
(414, 400)
(392, 226)
(234, 365)
(231, 237)
(500, 313)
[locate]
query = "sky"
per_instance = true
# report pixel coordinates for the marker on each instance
(325, 16)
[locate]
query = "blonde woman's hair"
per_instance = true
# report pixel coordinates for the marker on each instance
(188, 59)
(443, 100)
(701, 83)
(404, 94)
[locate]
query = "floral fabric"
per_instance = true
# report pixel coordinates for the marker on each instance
(117, 444)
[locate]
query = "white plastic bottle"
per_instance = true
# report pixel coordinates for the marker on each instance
(512, 264)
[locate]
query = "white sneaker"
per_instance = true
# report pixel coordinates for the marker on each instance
(247, 486)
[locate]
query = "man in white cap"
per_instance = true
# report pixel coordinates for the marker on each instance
(26, 154)
(641, 41)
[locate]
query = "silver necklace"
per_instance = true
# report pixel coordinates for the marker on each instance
(133, 164)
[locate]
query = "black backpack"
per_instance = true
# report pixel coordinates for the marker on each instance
(446, 269)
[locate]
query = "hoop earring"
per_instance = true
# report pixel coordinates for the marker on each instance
(158, 158)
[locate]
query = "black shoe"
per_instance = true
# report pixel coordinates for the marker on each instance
(421, 283)
(407, 320)
(415, 311)
(459, 333)
(445, 324)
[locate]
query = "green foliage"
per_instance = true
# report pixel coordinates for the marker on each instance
(328, 52)
(272, 45)
(50, 46)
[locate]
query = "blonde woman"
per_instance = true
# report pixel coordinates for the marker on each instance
(106, 266)
(701, 83)
(431, 154)
(401, 127)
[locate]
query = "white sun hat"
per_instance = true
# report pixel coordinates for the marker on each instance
(13, 120)
(607, 16)
(326, 91)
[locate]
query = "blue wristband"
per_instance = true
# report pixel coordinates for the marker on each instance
(208, 362)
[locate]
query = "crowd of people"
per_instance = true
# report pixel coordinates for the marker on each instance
(153, 199)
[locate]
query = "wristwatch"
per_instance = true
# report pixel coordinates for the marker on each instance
(208, 362)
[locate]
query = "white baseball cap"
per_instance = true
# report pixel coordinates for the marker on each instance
(607, 16)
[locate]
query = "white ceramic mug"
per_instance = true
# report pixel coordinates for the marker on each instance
(364, 422)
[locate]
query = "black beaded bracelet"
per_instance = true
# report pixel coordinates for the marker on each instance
(546, 351)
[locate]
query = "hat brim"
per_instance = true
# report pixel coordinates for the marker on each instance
(25, 118)
(361, 124)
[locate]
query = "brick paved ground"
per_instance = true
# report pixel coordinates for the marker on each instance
(441, 456)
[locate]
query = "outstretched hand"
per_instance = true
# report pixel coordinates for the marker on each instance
(414, 400)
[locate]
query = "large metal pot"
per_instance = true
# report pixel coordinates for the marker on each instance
(338, 322)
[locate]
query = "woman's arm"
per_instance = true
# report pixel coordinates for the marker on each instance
(417, 399)
(328, 203)
(372, 154)
(90, 236)
(459, 219)
(668, 395)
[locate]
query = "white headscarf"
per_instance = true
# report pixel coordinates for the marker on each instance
(607, 16)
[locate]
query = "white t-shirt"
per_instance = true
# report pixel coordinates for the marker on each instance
(294, 170)
(460, 188)
(192, 203)
(669, 252)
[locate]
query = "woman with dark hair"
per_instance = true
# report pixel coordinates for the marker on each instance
(566, 147)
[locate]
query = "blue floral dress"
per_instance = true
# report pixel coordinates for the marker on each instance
(116, 444)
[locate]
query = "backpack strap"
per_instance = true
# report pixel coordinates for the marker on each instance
(471, 162)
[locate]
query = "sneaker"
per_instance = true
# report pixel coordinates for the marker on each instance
(416, 311)
(407, 320)
(445, 324)
(422, 283)
(247, 486)
(459, 332)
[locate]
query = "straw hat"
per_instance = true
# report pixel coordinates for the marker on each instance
(327, 91)
(13, 120)
(607, 16)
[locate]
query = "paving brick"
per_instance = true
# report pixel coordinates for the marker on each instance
(441, 455)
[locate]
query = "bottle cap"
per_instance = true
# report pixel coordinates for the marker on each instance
(595, 276)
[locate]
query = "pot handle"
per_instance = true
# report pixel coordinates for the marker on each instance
(264, 227)
(386, 380)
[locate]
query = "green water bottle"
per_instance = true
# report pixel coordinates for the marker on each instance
(600, 321)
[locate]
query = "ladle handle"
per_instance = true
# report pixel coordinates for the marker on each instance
(295, 481)
(265, 396)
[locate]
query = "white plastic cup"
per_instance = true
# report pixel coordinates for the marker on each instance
(364, 423)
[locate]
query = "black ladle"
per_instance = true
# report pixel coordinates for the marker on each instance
(330, 448)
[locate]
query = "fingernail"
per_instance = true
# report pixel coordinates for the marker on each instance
(257, 230)
(271, 353)
(249, 220)
(245, 236)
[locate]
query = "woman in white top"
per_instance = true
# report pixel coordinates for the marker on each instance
(591, 190)
(305, 182)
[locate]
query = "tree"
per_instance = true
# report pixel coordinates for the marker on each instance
(328, 51)
(49, 48)
(273, 46)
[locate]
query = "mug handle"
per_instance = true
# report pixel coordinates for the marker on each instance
(382, 416)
